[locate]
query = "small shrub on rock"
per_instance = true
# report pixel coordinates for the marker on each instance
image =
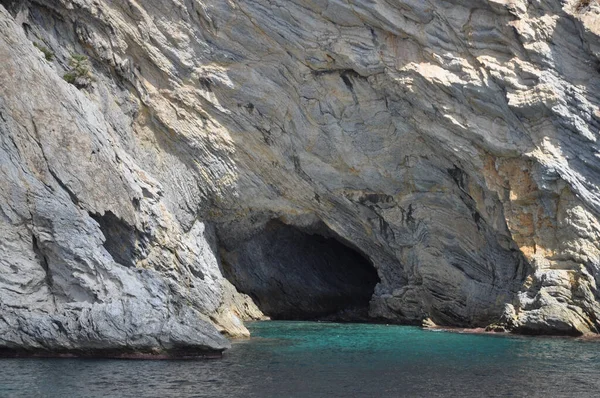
(48, 54)
(80, 73)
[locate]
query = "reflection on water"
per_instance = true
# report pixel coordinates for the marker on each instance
(304, 359)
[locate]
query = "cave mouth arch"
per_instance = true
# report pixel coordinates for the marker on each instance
(298, 274)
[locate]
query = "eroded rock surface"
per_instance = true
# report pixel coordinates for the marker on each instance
(452, 143)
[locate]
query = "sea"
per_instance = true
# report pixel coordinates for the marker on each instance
(319, 359)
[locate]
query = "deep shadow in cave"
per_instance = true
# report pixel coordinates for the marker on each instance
(296, 275)
(120, 238)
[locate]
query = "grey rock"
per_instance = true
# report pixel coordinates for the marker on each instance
(451, 143)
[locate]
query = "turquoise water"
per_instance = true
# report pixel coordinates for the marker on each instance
(307, 359)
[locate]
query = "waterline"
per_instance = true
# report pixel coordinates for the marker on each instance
(313, 359)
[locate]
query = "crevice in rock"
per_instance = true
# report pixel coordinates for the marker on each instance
(55, 294)
(459, 176)
(61, 184)
(43, 261)
(347, 81)
(122, 239)
(461, 179)
(346, 78)
(301, 274)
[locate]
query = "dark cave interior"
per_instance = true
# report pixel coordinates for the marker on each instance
(293, 274)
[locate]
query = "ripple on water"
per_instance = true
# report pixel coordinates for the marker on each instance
(308, 359)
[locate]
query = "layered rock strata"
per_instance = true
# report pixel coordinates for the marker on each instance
(145, 145)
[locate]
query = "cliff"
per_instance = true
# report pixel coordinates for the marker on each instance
(170, 169)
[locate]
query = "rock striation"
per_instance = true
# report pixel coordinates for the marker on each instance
(147, 149)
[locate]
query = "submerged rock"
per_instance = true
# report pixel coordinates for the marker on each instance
(452, 144)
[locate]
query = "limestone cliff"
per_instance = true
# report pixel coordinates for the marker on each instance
(152, 152)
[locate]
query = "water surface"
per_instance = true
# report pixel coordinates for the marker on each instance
(306, 359)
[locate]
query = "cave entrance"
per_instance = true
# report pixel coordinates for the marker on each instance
(293, 274)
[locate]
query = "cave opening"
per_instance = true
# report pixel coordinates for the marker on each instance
(121, 239)
(299, 274)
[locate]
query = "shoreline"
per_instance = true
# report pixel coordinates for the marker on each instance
(195, 354)
(111, 354)
(483, 331)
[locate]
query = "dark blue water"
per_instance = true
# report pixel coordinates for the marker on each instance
(305, 359)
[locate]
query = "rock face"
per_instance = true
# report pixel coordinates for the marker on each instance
(148, 146)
